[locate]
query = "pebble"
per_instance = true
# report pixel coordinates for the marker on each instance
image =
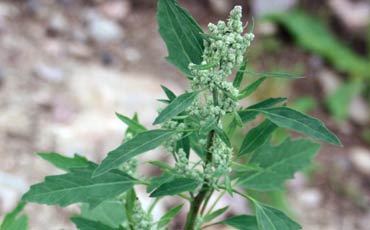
(220, 6)
(11, 188)
(329, 81)
(355, 15)
(49, 73)
(131, 54)
(116, 10)
(360, 158)
(263, 7)
(57, 24)
(310, 198)
(104, 30)
(359, 111)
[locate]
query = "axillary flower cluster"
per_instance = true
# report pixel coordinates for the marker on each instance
(224, 49)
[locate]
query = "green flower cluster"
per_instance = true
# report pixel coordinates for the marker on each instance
(142, 219)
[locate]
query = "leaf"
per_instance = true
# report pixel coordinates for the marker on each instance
(160, 164)
(131, 198)
(257, 137)
(79, 186)
(239, 76)
(12, 221)
(170, 95)
(155, 182)
(85, 224)
(109, 212)
(299, 122)
(215, 214)
(176, 186)
(223, 136)
(248, 115)
(135, 126)
(275, 75)
(269, 218)
(250, 88)
(242, 222)
(166, 218)
(63, 162)
(313, 35)
(277, 163)
(141, 143)
(181, 34)
(339, 101)
(178, 105)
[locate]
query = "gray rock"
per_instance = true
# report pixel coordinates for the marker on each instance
(355, 15)
(102, 29)
(49, 73)
(116, 10)
(360, 158)
(262, 7)
(58, 23)
(328, 80)
(220, 6)
(310, 198)
(359, 111)
(11, 188)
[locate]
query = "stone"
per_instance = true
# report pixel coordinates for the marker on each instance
(58, 24)
(49, 73)
(310, 198)
(220, 6)
(360, 158)
(116, 10)
(102, 29)
(328, 80)
(355, 15)
(359, 111)
(11, 189)
(263, 7)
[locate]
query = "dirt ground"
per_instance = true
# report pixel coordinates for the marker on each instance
(61, 82)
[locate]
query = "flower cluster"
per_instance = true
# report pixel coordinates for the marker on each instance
(224, 50)
(182, 167)
(142, 219)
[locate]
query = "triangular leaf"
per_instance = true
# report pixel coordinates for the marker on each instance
(178, 105)
(170, 95)
(277, 163)
(63, 162)
(12, 221)
(140, 143)
(215, 214)
(242, 222)
(132, 124)
(176, 186)
(247, 91)
(181, 34)
(269, 218)
(86, 224)
(299, 122)
(110, 212)
(79, 186)
(256, 137)
(166, 218)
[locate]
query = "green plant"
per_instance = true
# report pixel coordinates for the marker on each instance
(199, 122)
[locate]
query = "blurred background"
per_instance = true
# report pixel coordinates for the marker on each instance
(67, 65)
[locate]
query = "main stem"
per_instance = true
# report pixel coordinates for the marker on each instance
(197, 202)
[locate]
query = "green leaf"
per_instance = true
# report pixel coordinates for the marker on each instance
(79, 186)
(63, 162)
(181, 34)
(299, 122)
(239, 76)
(277, 163)
(170, 95)
(215, 214)
(12, 221)
(131, 198)
(141, 143)
(155, 182)
(248, 115)
(110, 212)
(178, 105)
(86, 224)
(133, 125)
(257, 137)
(166, 218)
(269, 218)
(251, 88)
(242, 222)
(160, 164)
(176, 186)
(339, 101)
(275, 75)
(313, 35)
